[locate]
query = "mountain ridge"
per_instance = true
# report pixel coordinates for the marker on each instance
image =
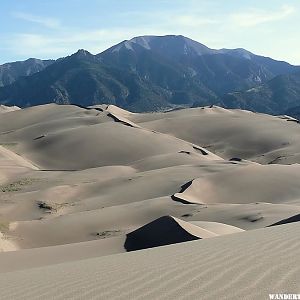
(280, 95)
(146, 73)
(10, 72)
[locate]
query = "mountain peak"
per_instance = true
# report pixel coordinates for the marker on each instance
(167, 45)
(82, 53)
(169, 41)
(241, 52)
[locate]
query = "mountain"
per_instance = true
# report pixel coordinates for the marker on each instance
(280, 95)
(10, 72)
(220, 71)
(83, 79)
(146, 73)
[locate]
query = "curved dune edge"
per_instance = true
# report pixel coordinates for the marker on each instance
(292, 219)
(276, 184)
(123, 116)
(186, 194)
(185, 199)
(123, 120)
(113, 109)
(170, 230)
(18, 160)
(217, 228)
(160, 232)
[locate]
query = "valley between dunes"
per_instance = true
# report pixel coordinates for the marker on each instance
(78, 184)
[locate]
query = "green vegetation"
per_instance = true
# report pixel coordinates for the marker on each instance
(51, 207)
(4, 226)
(17, 185)
(107, 233)
(11, 147)
(8, 144)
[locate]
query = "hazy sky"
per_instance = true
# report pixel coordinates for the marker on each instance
(55, 28)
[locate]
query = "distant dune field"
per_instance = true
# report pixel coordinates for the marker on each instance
(78, 184)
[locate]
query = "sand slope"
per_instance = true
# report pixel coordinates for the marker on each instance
(44, 134)
(246, 184)
(231, 133)
(168, 230)
(164, 231)
(71, 174)
(78, 184)
(227, 267)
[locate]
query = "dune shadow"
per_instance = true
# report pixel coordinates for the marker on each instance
(295, 218)
(160, 232)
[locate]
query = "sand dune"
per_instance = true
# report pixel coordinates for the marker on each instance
(170, 230)
(45, 256)
(101, 176)
(79, 183)
(44, 133)
(95, 201)
(227, 267)
(292, 219)
(217, 228)
(164, 231)
(246, 184)
(231, 133)
(16, 159)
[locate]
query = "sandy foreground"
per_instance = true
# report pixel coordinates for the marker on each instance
(79, 187)
(247, 265)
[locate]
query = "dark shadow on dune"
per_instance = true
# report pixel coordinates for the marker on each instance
(201, 150)
(160, 232)
(235, 159)
(79, 105)
(88, 108)
(59, 170)
(174, 198)
(291, 120)
(183, 188)
(116, 119)
(174, 109)
(39, 137)
(185, 152)
(7, 132)
(275, 160)
(97, 108)
(292, 219)
(256, 217)
(186, 215)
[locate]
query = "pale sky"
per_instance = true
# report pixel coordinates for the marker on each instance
(56, 28)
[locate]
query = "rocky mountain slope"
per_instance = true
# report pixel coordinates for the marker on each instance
(147, 73)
